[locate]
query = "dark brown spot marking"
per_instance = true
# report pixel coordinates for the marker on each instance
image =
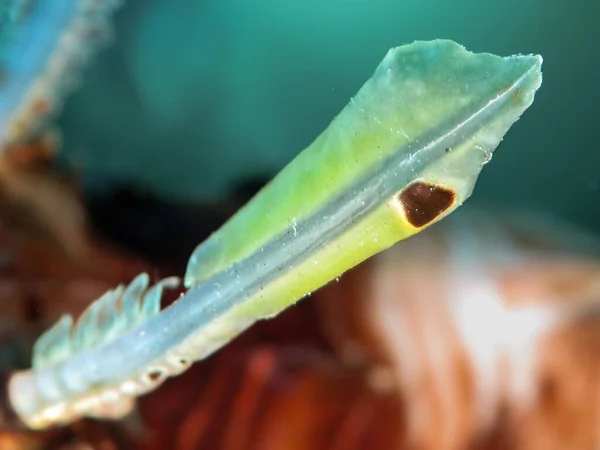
(423, 202)
(155, 375)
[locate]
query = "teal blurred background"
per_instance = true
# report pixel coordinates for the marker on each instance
(196, 96)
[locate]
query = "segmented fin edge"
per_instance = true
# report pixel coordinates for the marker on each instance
(114, 313)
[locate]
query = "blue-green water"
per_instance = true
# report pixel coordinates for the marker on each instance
(198, 94)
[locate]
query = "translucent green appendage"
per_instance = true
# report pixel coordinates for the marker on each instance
(404, 153)
(432, 109)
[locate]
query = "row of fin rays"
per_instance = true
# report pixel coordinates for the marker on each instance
(114, 313)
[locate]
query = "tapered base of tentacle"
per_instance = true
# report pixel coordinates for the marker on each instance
(23, 394)
(49, 400)
(8, 416)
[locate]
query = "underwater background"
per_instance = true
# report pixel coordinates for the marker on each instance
(196, 96)
(193, 106)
